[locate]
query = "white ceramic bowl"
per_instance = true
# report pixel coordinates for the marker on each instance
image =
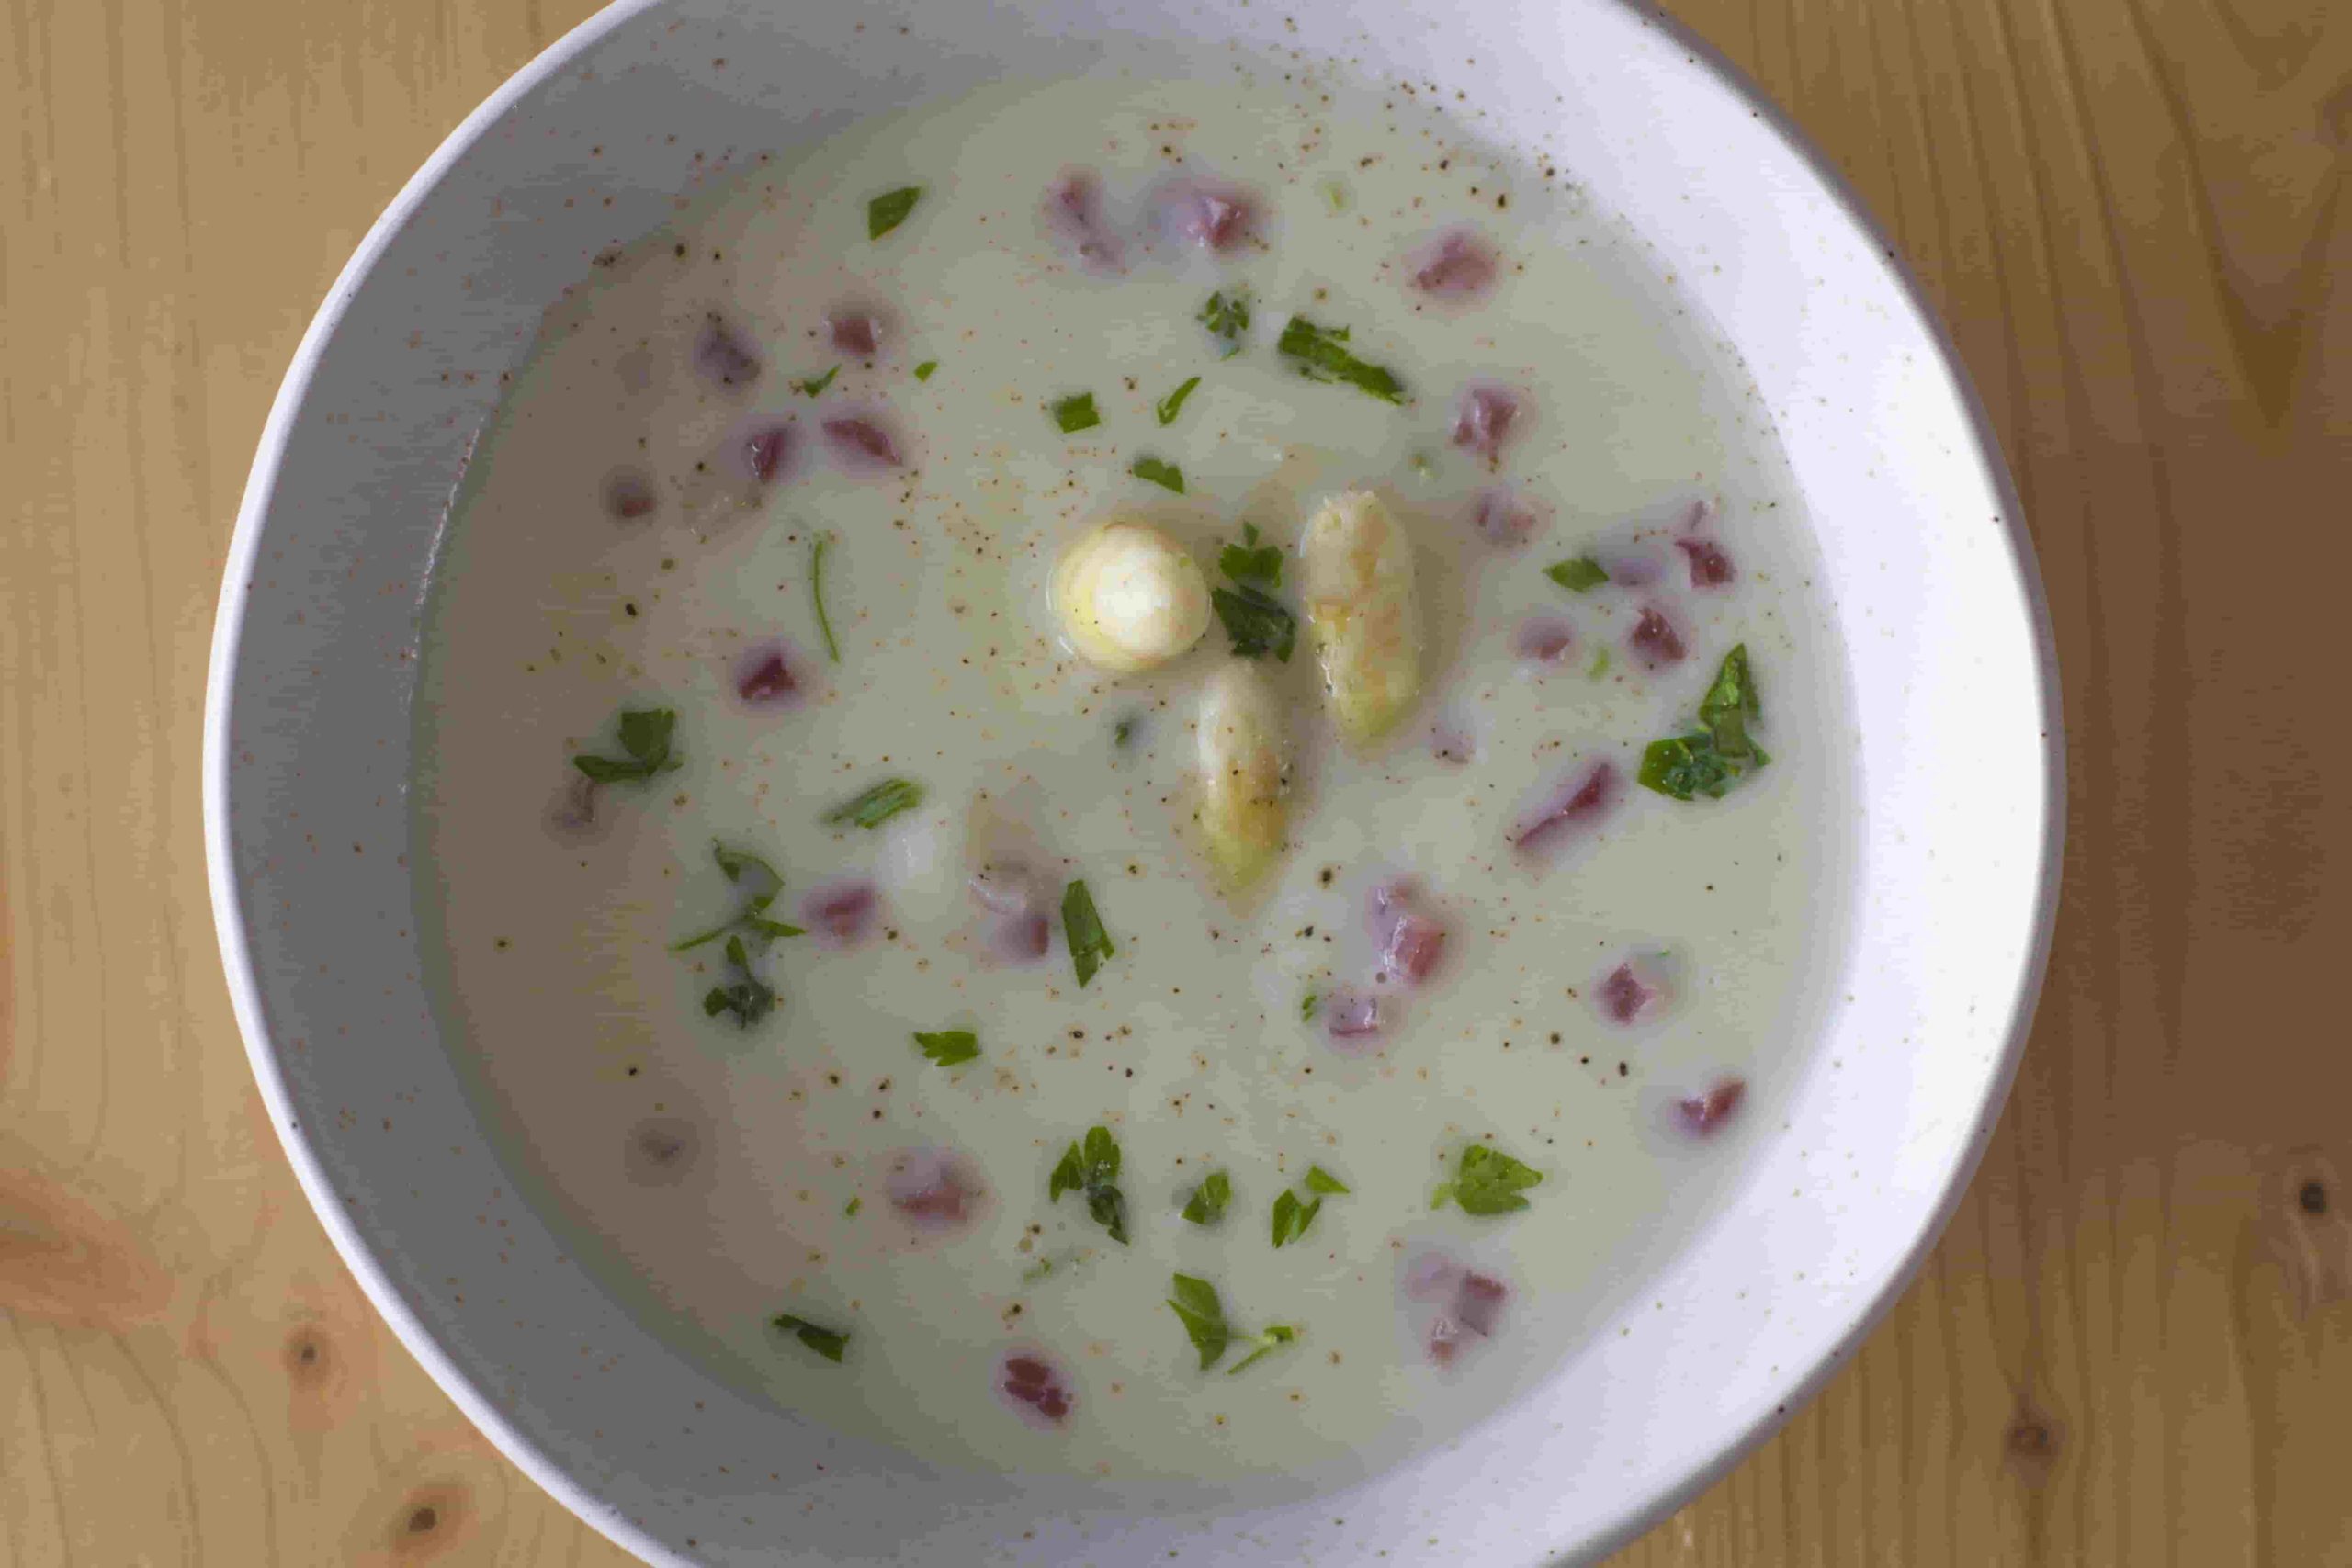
(307, 763)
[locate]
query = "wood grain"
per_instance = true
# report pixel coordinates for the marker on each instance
(2135, 1346)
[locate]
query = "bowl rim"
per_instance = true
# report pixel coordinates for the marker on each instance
(229, 910)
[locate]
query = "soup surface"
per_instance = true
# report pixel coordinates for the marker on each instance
(844, 954)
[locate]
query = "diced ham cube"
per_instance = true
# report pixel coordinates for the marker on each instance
(629, 495)
(724, 355)
(862, 442)
(1703, 1115)
(1571, 810)
(1409, 938)
(1352, 1021)
(765, 677)
(765, 447)
(1505, 519)
(1544, 640)
(841, 914)
(1484, 419)
(1216, 218)
(1074, 217)
(1654, 640)
(856, 330)
(1456, 264)
(933, 1190)
(1710, 567)
(1036, 1388)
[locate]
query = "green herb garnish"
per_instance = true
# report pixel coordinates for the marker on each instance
(745, 996)
(1159, 471)
(816, 384)
(1090, 945)
(851, 1207)
(1267, 1340)
(1599, 665)
(1581, 575)
(1291, 1217)
(827, 1342)
(923, 371)
(1713, 758)
(1335, 194)
(1250, 561)
(1486, 1181)
(890, 209)
(1227, 316)
(1122, 733)
(1075, 412)
(1306, 1006)
(1321, 1181)
(949, 1047)
(817, 591)
(1170, 406)
(1196, 1304)
(1258, 624)
(1093, 1167)
(877, 805)
(1207, 1205)
(645, 735)
(1321, 354)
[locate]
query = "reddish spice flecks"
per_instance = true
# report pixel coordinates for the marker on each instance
(765, 447)
(1703, 1115)
(1410, 939)
(1218, 218)
(933, 1190)
(1544, 640)
(1074, 218)
(1710, 567)
(629, 495)
(1570, 810)
(1485, 418)
(1352, 1021)
(841, 914)
(1455, 265)
(1654, 640)
(1505, 519)
(724, 355)
(1036, 1388)
(857, 331)
(1625, 994)
(862, 442)
(766, 677)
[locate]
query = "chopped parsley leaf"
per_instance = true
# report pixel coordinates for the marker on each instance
(1257, 622)
(816, 384)
(1090, 945)
(1123, 732)
(853, 1206)
(1335, 194)
(949, 1047)
(1306, 1006)
(1712, 759)
(1599, 665)
(1581, 575)
(1093, 1167)
(1170, 406)
(1075, 412)
(1291, 1217)
(745, 996)
(1322, 354)
(890, 209)
(1486, 1181)
(645, 735)
(1267, 1340)
(1250, 561)
(923, 371)
(1159, 471)
(827, 1342)
(747, 999)
(1227, 316)
(817, 591)
(1208, 1203)
(1203, 1315)
(1321, 1181)
(878, 805)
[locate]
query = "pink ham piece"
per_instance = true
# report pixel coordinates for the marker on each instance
(1710, 567)
(1215, 216)
(1469, 1305)
(1074, 218)
(933, 1190)
(1036, 1388)
(767, 676)
(1015, 899)
(576, 813)
(1352, 1021)
(841, 914)
(1456, 264)
(661, 1151)
(1624, 995)
(1544, 640)
(1654, 640)
(858, 441)
(1507, 520)
(1409, 938)
(1484, 419)
(723, 355)
(765, 447)
(1571, 811)
(629, 495)
(857, 331)
(1703, 1115)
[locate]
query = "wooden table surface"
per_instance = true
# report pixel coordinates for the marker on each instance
(2134, 1345)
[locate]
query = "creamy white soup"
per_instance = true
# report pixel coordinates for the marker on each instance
(1133, 777)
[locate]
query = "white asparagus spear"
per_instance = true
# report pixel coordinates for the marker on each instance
(1362, 614)
(1245, 772)
(1129, 598)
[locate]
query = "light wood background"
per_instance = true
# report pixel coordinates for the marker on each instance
(2135, 1346)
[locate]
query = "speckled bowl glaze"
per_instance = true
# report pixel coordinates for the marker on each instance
(307, 765)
